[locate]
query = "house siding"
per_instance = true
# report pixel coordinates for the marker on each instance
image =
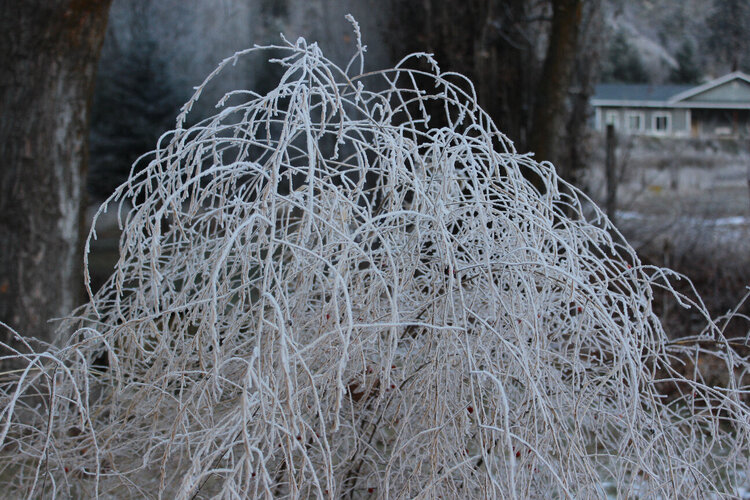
(679, 120)
(731, 92)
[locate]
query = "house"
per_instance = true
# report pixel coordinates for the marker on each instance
(719, 108)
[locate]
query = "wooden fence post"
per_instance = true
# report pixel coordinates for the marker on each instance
(611, 168)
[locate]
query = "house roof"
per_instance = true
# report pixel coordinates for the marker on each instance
(729, 91)
(706, 88)
(637, 91)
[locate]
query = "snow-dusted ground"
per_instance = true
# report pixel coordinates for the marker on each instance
(644, 228)
(741, 492)
(681, 198)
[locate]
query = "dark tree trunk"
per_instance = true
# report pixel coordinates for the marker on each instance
(572, 157)
(47, 65)
(611, 171)
(489, 41)
(554, 82)
(495, 43)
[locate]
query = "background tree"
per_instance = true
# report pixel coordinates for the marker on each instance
(553, 88)
(728, 40)
(497, 44)
(502, 45)
(135, 100)
(47, 68)
(492, 42)
(575, 147)
(687, 70)
(623, 64)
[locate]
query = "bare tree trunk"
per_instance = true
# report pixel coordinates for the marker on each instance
(554, 84)
(572, 159)
(47, 68)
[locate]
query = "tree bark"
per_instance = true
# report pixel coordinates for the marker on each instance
(489, 41)
(572, 158)
(47, 66)
(554, 83)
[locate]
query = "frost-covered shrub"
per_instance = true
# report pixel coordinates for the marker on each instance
(321, 295)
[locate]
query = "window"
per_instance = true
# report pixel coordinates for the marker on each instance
(634, 121)
(611, 118)
(662, 123)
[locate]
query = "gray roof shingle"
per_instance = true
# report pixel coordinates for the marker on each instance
(637, 91)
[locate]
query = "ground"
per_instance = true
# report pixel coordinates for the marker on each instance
(686, 205)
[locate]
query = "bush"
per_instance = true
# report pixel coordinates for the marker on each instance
(319, 295)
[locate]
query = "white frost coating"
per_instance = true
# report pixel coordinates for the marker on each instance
(322, 293)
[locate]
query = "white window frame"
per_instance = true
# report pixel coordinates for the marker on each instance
(641, 121)
(612, 117)
(655, 117)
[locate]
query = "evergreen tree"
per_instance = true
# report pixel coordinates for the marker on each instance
(623, 63)
(687, 70)
(134, 104)
(728, 40)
